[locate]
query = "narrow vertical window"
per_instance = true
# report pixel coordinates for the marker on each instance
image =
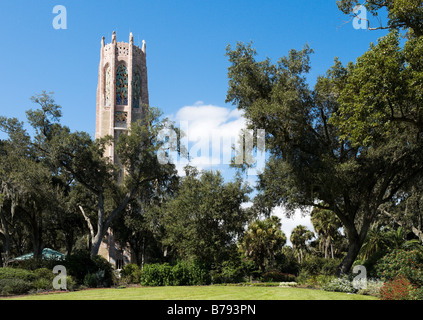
(122, 85)
(136, 89)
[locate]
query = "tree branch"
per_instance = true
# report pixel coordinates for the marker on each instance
(90, 226)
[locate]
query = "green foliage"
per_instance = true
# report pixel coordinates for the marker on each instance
(317, 265)
(21, 281)
(156, 275)
(180, 274)
(202, 221)
(96, 271)
(276, 276)
(229, 272)
(417, 294)
(402, 263)
(286, 261)
(308, 280)
(342, 284)
(401, 14)
(372, 288)
(131, 273)
(14, 286)
(262, 241)
(14, 273)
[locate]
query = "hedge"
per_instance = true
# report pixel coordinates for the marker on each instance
(178, 275)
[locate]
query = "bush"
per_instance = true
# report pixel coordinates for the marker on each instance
(228, 272)
(276, 276)
(318, 265)
(180, 274)
(402, 263)
(155, 274)
(131, 273)
(14, 286)
(372, 288)
(399, 288)
(85, 269)
(15, 273)
(340, 285)
(199, 274)
(313, 281)
(42, 284)
(417, 294)
(33, 264)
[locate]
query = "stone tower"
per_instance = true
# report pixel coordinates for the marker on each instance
(122, 91)
(122, 96)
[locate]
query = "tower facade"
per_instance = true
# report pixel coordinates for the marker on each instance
(122, 91)
(122, 96)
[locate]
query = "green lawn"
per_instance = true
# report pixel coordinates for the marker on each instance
(198, 293)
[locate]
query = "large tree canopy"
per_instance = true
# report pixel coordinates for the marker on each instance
(57, 150)
(322, 141)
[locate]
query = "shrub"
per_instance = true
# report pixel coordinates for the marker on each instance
(199, 274)
(43, 279)
(156, 274)
(313, 281)
(372, 288)
(131, 273)
(276, 276)
(228, 272)
(417, 294)
(14, 286)
(340, 285)
(399, 288)
(402, 263)
(80, 265)
(44, 273)
(318, 265)
(15, 273)
(90, 280)
(43, 284)
(33, 264)
(180, 274)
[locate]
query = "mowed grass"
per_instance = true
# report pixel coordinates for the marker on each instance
(198, 293)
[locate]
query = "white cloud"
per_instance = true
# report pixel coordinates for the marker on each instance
(211, 132)
(206, 120)
(288, 224)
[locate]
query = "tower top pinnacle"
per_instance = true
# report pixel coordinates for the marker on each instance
(131, 41)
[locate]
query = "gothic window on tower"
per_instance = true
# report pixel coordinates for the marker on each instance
(122, 85)
(136, 89)
(107, 92)
(121, 118)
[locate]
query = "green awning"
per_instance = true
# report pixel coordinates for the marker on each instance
(48, 254)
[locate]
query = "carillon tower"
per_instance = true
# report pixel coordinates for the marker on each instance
(122, 92)
(122, 96)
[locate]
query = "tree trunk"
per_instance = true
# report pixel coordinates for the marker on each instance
(327, 243)
(96, 242)
(37, 236)
(355, 241)
(346, 264)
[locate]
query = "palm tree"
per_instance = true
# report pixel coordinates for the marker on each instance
(262, 240)
(299, 237)
(384, 239)
(326, 224)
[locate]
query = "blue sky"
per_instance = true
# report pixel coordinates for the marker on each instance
(186, 41)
